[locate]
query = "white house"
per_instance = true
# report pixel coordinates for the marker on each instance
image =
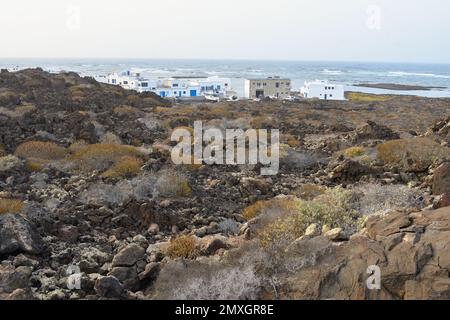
(174, 87)
(322, 89)
(132, 81)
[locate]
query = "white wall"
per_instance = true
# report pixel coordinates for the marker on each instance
(324, 90)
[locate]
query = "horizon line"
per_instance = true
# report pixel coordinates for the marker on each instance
(227, 59)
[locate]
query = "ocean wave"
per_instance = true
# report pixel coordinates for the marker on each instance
(417, 74)
(332, 72)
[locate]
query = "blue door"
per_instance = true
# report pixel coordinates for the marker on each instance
(162, 94)
(193, 93)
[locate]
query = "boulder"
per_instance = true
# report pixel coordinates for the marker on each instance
(14, 278)
(9, 163)
(441, 180)
(313, 230)
(128, 256)
(210, 244)
(109, 287)
(17, 235)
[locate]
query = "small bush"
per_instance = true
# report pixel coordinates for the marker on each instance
(261, 122)
(10, 206)
(110, 138)
(354, 152)
(40, 150)
(126, 167)
(2, 151)
(277, 205)
(229, 226)
(309, 191)
(375, 198)
(172, 185)
(183, 247)
(35, 165)
(415, 154)
(290, 140)
(331, 209)
(101, 156)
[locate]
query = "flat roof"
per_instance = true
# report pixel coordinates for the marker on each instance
(268, 78)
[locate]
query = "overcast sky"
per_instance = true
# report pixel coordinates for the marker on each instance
(332, 30)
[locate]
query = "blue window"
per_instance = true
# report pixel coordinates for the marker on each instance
(162, 94)
(193, 93)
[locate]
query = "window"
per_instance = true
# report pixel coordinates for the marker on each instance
(288, 84)
(277, 85)
(125, 82)
(331, 95)
(113, 81)
(184, 92)
(259, 84)
(175, 85)
(264, 84)
(332, 88)
(175, 92)
(144, 84)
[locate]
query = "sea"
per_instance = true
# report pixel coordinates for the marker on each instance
(346, 73)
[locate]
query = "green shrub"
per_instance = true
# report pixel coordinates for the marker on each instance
(331, 209)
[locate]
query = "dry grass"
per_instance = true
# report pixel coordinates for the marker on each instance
(309, 191)
(261, 122)
(366, 97)
(35, 165)
(269, 206)
(415, 154)
(183, 247)
(354, 152)
(126, 167)
(172, 185)
(10, 206)
(101, 156)
(40, 150)
(290, 140)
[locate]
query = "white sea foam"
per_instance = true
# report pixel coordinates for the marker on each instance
(416, 74)
(332, 72)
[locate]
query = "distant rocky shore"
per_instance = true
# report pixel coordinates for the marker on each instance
(91, 206)
(398, 87)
